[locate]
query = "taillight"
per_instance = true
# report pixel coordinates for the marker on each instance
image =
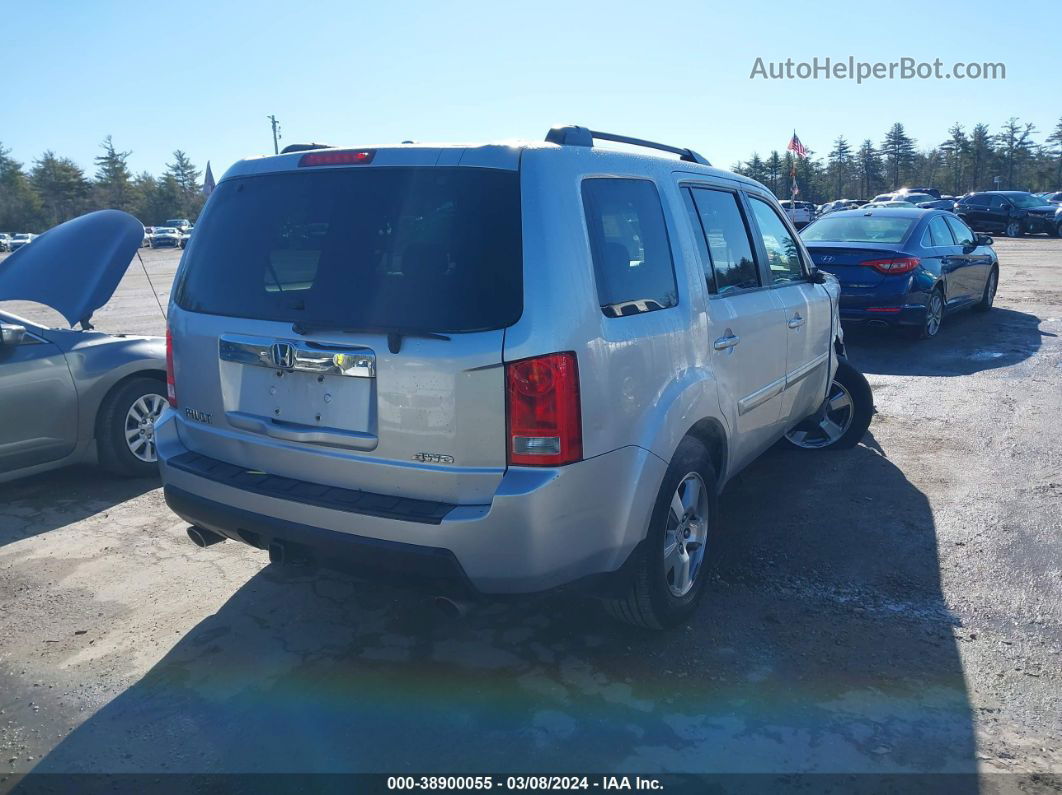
(171, 385)
(543, 418)
(893, 265)
(349, 157)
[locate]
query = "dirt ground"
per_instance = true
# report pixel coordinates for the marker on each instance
(892, 608)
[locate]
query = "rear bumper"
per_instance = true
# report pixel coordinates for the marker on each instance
(904, 315)
(542, 529)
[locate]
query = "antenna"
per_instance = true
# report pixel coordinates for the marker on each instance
(151, 285)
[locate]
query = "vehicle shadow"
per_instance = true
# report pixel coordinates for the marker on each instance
(824, 645)
(969, 342)
(41, 503)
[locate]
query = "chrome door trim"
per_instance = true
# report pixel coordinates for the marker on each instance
(805, 370)
(298, 356)
(761, 396)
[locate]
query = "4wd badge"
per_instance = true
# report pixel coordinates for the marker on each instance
(434, 458)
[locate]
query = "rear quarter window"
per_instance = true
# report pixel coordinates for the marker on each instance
(633, 268)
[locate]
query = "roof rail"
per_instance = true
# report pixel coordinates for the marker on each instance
(303, 148)
(573, 135)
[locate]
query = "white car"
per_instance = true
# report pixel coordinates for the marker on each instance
(877, 205)
(19, 240)
(800, 213)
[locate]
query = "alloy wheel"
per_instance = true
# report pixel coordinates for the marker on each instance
(686, 535)
(934, 314)
(993, 285)
(834, 422)
(140, 426)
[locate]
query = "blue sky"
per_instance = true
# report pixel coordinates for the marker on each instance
(203, 76)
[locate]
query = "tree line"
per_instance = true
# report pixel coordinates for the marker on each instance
(965, 161)
(56, 189)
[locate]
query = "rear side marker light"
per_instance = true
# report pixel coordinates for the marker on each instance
(883, 309)
(346, 157)
(171, 384)
(893, 265)
(543, 415)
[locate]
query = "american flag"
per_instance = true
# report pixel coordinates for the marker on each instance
(796, 147)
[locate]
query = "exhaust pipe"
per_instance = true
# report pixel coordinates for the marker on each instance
(202, 537)
(877, 323)
(451, 608)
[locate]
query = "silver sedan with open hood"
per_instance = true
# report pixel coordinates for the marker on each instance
(71, 395)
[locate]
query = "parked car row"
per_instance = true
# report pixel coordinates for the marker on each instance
(167, 236)
(15, 242)
(1014, 213)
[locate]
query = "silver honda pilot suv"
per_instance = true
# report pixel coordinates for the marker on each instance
(495, 369)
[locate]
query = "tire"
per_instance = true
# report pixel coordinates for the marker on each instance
(116, 415)
(928, 329)
(1013, 229)
(655, 598)
(988, 297)
(1058, 229)
(851, 407)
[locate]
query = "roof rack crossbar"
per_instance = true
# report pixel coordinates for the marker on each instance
(574, 135)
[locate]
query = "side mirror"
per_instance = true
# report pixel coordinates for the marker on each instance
(817, 276)
(11, 335)
(984, 240)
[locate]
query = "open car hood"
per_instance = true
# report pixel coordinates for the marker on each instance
(75, 267)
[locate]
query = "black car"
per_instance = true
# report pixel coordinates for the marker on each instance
(1012, 212)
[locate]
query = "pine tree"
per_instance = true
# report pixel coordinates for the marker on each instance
(840, 164)
(898, 149)
(956, 151)
(1014, 148)
(20, 207)
(62, 187)
(869, 165)
(774, 171)
(980, 156)
(1053, 149)
(114, 187)
(186, 178)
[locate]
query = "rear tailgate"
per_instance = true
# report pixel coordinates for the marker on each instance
(427, 422)
(344, 326)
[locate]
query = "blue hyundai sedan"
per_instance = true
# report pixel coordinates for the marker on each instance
(906, 267)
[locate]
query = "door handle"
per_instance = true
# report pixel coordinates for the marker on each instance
(727, 342)
(796, 321)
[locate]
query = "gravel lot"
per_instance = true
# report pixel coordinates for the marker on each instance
(893, 608)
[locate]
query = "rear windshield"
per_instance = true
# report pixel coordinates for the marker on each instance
(429, 249)
(858, 229)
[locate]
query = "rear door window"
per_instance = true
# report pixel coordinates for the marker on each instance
(733, 266)
(963, 235)
(783, 253)
(937, 233)
(629, 244)
(431, 249)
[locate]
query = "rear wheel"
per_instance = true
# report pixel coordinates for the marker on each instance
(843, 420)
(672, 564)
(933, 319)
(125, 430)
(989, 295)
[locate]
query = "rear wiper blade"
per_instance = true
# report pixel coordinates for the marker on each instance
(394, 333)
